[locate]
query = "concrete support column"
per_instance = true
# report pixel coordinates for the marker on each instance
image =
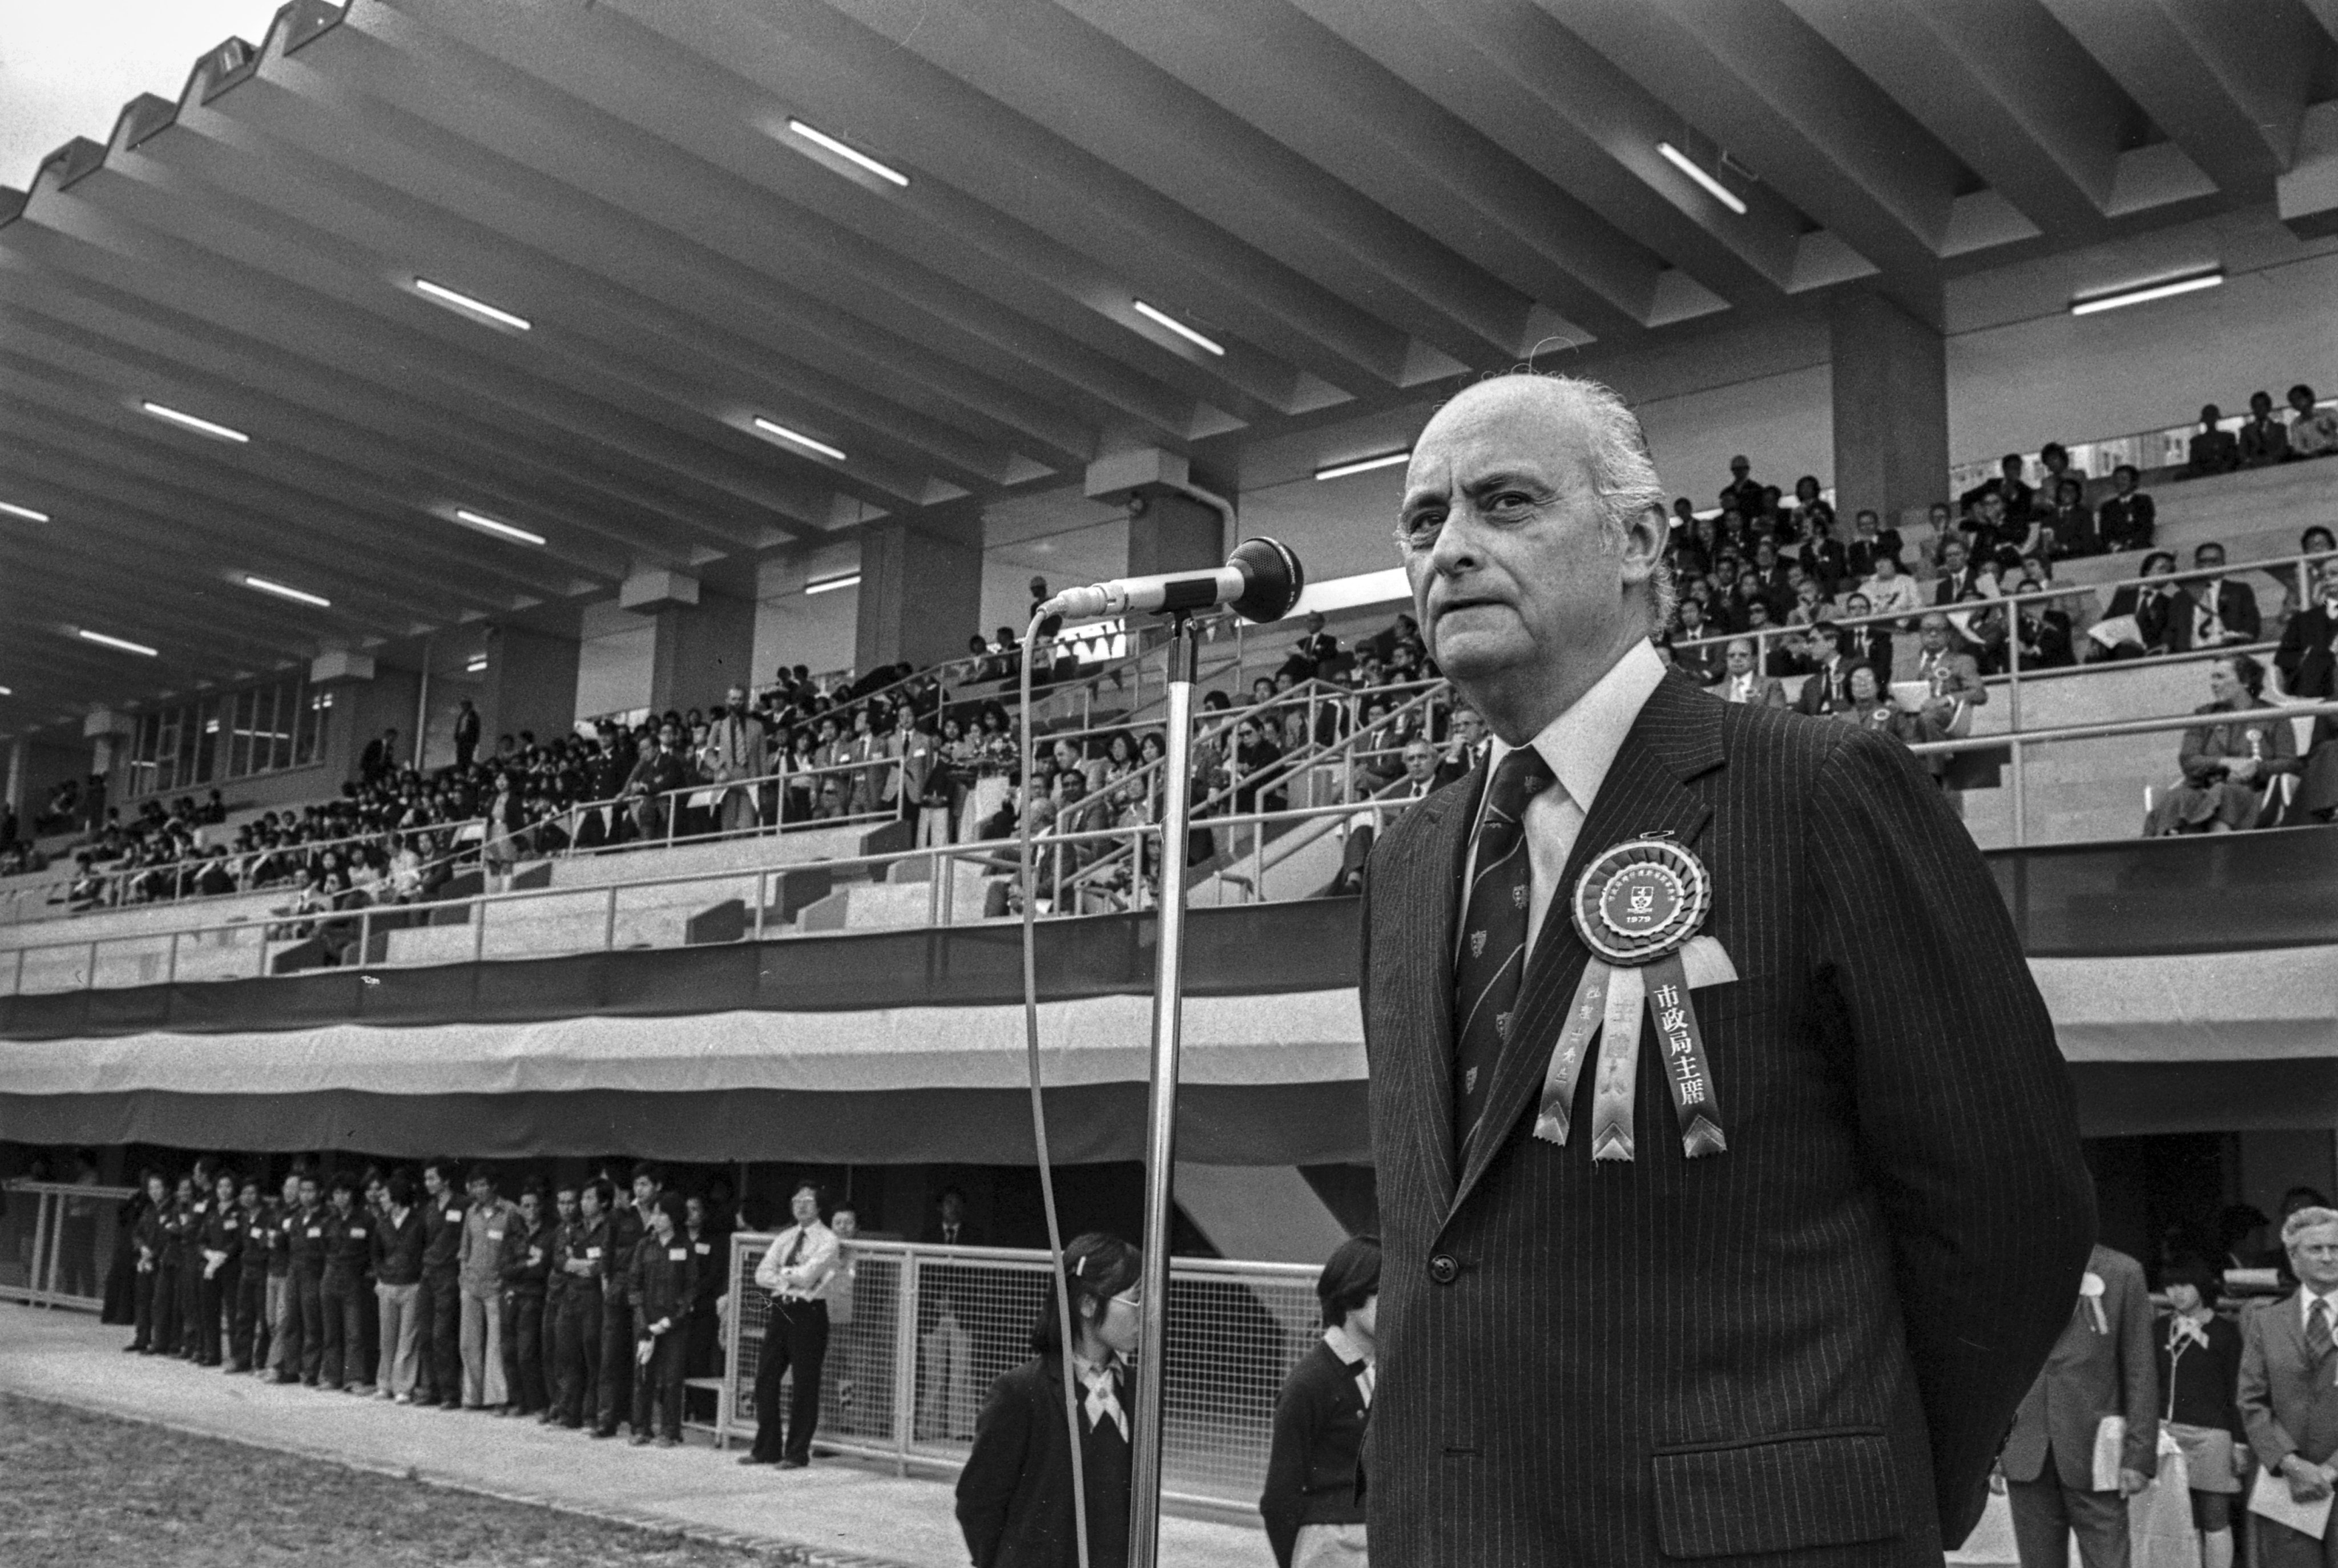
(920, 595)
(704, 641)
(529, 683)
(1170, 527)
(1890, 411)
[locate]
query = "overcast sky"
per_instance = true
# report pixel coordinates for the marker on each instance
(68, 66)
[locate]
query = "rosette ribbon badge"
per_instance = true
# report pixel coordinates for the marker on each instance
(1638, 907)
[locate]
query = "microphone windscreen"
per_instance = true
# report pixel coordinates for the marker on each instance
(1271, 579)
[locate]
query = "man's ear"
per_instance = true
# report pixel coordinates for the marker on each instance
(1644, 535)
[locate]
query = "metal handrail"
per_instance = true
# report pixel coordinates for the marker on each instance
(304, 846)
(2300, 563)
(2110, 729)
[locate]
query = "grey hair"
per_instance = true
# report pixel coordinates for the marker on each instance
(1623, 476)
(2305, 1219)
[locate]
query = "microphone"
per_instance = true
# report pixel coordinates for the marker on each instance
(1261, 580)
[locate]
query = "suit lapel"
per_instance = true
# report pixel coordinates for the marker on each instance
(1676, 737)
(1429, 877)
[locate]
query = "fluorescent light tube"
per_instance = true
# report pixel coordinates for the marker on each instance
(446, 296)
(1206, 344)
(282, 590)
(123, 643)
(1712, 187)
(486, 524)
(831, 584)
(202, 426)
(853, 155)
(773, 428)
(26, 513)
(2147, 292)
(479, 663)
(1364, 464)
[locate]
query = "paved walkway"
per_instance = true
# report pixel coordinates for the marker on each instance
(844, 1514)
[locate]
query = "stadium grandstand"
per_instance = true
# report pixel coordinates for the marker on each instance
(517, 524)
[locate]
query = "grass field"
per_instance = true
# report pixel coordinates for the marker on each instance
(83, 1489)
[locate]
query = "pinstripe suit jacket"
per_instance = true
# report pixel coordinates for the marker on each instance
(1811, 1345)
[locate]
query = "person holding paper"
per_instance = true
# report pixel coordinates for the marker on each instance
(2289, 1399)
(2086, 1436)
(2199, 1364)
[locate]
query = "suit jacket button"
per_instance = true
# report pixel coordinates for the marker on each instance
(1443, 1269)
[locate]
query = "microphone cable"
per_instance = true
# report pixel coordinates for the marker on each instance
(1027, 746)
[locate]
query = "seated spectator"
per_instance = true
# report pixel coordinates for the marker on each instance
(2146, 617)
(1780, 656)
(1891, 591)
(1978, 620)
(1742, 494)
(1827, 688)
(2067, 532)
(1741, 683)
(1961, 571)
(2043, 625)
(2126, 521)
(2264, 439)
(1952, 678)
(1870, 641)
(1465, 748)
(2224, 612)
(2213, 450)
(1870, 542)
(2297, 587)
(1700, 659)
(2228, 764)
(2313, 431)
(2308, 661)
(1869, 706)
(2055, 459)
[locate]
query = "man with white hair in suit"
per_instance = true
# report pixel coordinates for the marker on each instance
(2289, 1387)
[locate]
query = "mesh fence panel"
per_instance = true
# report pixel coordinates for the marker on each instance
(56, 1243)
(923, 1332)
(20, 1226)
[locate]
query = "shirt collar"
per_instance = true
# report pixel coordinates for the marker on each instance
(1344, 1346)
(1580, 744)
(2306, 1300)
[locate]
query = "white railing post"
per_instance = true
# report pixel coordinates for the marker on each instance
(90, 979)
(905, 1362)
(479, 923)
(171, 964)
(44, 1236)
(609, 926)
(763, 898)
(2017, 756)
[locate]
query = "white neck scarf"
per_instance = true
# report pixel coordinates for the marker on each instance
(1104, 1397)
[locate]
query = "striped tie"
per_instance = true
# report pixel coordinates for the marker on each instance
(2317, 1330)
(1493, 937)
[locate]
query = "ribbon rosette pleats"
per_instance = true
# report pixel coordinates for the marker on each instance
(1638, 907)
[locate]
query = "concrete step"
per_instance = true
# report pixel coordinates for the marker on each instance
(144, 918)
(690, 857)
(892, 906)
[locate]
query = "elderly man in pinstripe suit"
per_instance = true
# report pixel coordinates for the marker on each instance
(1795, 1330)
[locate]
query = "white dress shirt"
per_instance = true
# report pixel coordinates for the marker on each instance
(813, 1275)
(2306, 1300)
(1578, 746)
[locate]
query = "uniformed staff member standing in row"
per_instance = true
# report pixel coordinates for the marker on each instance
(196, 1213)
(171, 1313)
(437, 1304)
(283, 1303)
(341, 1289)
(221, 1251)
(526, 1262)
(625, 1232)
(577, 1250)
(304, 1324)
(662, 1276)
(398, 1242)
(485, 1224)
(150, 1237)
(246, 1335)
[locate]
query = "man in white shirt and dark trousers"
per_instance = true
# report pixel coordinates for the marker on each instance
(797, 1271)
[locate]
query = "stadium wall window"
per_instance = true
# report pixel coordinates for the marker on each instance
(262, 729)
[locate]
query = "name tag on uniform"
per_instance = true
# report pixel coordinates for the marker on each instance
(357, 1232)
(315, 1231)
(229, 1225)
(703, 1248)
(678, 1254)
(202, 1207)
(535, 1254)
(591, 1252)
(454, 1216)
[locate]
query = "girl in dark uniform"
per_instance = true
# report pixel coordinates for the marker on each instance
(1313, 1517)
(1015, 1494)
(151, 1236)
(2199, 1357)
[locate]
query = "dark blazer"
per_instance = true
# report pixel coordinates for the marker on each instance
(2287, 1401)
(1809, 1345)
(1310, 1469)
(2091, 1374)
(1015, 1494)
(2308, 671)
(2235, 607)
(2127, 521)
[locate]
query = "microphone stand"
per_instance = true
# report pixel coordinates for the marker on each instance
(1160, 1118)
